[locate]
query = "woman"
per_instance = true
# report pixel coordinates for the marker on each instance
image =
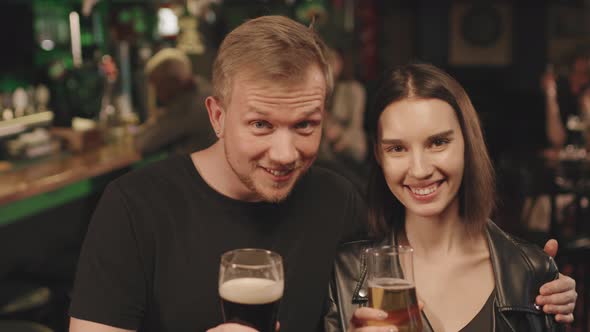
(432, 187)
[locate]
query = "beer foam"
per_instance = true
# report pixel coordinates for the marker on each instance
(251, 290)
(390, 283)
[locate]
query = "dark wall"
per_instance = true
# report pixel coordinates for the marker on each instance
(16, 38)
(506, 97)
(433, 31)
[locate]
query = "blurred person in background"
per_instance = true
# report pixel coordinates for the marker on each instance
(565, 110)
(180, 121)
(344, 146)
(344, 121)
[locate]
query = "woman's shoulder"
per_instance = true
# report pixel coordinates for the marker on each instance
(514, 253)
(348, 260)
(354, 248)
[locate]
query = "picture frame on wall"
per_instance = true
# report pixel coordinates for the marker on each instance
(480, 34)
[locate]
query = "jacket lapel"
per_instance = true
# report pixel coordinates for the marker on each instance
(512, 274)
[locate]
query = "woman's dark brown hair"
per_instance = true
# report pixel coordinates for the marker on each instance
(477, 191)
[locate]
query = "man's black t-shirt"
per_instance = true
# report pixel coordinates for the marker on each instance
(150, 260)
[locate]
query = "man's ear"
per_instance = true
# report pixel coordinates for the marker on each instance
(216, 115)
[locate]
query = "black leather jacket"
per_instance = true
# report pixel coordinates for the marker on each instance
(519, 271)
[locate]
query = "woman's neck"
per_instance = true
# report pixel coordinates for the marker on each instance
(438, 236)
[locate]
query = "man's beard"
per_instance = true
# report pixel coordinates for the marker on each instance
(248, 181)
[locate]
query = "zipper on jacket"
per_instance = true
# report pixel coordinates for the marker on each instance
(357, 298)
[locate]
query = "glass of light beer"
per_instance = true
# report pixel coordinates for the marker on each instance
(390, 277)
(251, 286)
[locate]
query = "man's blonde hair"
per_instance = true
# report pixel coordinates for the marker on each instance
(273, 48)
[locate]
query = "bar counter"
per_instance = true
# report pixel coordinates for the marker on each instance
(38, 185)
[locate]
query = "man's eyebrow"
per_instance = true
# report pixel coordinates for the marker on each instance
(312, 111)
(256, 110)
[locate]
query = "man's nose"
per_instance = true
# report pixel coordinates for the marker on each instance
(420, 166)
(282, 150)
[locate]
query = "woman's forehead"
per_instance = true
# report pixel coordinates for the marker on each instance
(410, 116)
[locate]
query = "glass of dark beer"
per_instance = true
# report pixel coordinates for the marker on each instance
(390, 277)
(251, 286)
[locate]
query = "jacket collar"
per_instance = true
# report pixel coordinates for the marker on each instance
(511, 273)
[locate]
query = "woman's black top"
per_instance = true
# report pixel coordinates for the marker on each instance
(482, 322)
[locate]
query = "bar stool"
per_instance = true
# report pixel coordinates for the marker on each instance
(21, 300)
(576, 248)
(574, 256)
(23, 326)
(573, 232)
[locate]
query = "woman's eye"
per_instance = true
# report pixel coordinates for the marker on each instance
(440, 142)
(395, 148)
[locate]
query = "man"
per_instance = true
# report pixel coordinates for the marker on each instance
(150, 259)
(180, 123)
(151, 256)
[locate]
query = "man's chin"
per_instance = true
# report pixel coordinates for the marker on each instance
(274, 196)
(277, 192)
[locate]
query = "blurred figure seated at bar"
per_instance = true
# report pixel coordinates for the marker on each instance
(180, 123)
(344, 126)
(344, 145)
(566, 116)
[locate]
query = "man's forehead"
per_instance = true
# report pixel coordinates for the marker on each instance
(312, 75)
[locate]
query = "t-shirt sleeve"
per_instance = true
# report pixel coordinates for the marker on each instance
(110, 286)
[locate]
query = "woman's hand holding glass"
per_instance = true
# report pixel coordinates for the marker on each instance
(361, 317)
(393, 304)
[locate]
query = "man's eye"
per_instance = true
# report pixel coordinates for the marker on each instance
(303, 125)
(260, 124)
(306, 127)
